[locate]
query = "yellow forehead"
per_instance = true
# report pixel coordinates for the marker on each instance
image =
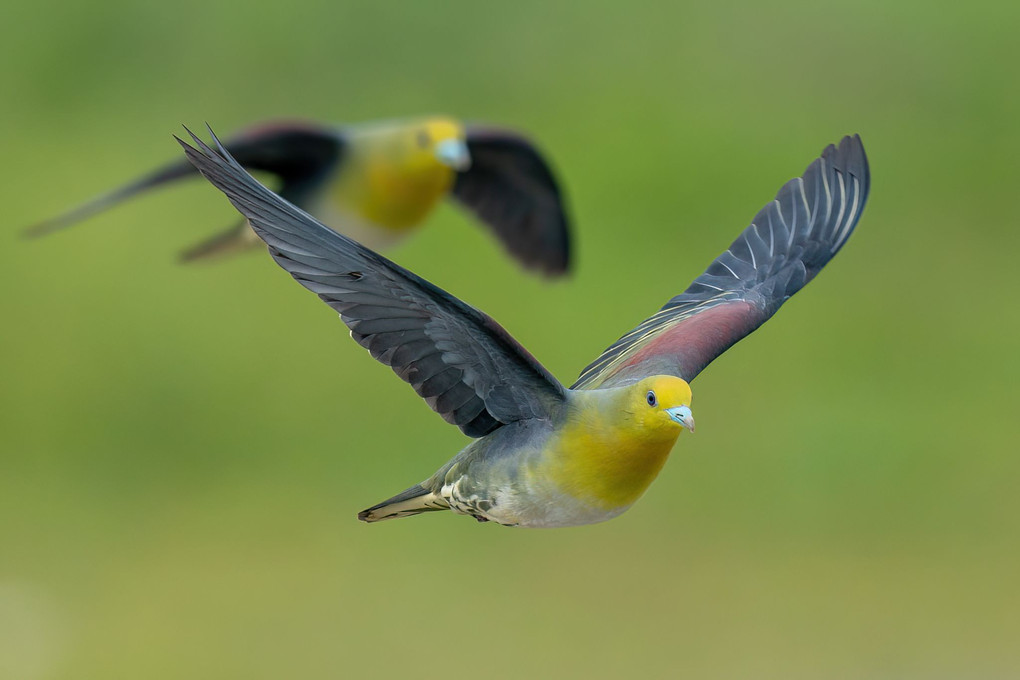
(441, 127)
(669, 390)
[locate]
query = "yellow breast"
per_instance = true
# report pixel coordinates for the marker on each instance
(607, 464)
(387, 181)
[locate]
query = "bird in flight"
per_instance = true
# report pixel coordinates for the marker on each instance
(544, 455)
(376, 182)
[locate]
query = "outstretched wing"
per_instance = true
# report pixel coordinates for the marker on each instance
(465, 366)
(300, 154)
(788, 243)
(511, 188)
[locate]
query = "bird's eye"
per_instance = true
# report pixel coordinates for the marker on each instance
(650, 398)
(423, 138)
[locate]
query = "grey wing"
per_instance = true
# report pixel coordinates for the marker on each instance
(511, 188)
(787, 244)
(465, 366)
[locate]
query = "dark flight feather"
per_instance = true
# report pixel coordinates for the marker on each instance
(511, 189)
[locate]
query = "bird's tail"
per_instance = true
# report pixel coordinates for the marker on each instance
(165, 175)
(296, 152)
(412, 501)
(239, 238)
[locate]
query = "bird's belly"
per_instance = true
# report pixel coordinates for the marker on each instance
(532, 474)
(388, 198)
(355, 227)
(530, 501)
(541, 513)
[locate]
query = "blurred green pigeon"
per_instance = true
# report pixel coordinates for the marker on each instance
(544, 455)
(376, 182)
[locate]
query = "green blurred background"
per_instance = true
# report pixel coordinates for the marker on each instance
(185, 448)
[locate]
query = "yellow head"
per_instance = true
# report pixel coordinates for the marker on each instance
(429, 144)
(619, 440)
(397, 171)
(660, 403)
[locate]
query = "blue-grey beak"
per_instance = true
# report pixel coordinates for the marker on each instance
(453, 153)
(682, 415)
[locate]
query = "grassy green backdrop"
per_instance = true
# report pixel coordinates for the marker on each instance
(184, 448)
